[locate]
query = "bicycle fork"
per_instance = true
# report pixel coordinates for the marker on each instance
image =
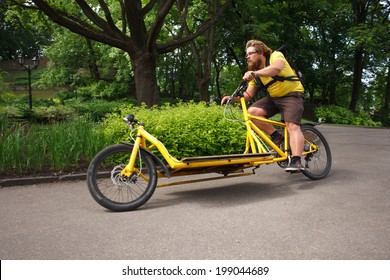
(130, 167)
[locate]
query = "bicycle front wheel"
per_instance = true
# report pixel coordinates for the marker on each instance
(319, 162)
(117, 192)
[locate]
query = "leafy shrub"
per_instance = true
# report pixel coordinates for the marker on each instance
(46, 115)
(51, 110)
(53, 114)
(39, 114)
(65, 95)
(338, 115)
(186, 130)
(104, 90)
(97, 109)
(383, 116)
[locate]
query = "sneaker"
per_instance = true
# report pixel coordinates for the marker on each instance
(294, 167)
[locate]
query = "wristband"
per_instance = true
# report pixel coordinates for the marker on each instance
(248, 95)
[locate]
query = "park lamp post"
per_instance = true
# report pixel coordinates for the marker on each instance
(29, 67)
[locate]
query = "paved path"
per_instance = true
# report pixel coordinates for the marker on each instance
(271, 215)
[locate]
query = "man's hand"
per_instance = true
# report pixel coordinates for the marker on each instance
(225, 99)
(249, 76)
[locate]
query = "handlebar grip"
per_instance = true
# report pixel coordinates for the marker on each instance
(227, 100)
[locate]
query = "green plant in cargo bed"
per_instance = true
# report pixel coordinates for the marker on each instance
(186, 129)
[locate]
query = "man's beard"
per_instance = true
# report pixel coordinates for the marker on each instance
(253, 66)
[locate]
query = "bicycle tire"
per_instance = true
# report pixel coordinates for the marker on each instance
(116, 192)
(317, 164)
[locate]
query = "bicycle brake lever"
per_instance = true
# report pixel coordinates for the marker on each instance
(229, 100)
(241, 87)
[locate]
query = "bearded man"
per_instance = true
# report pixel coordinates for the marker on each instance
(284, 96)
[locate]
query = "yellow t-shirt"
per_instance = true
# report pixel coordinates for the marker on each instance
(281, 88)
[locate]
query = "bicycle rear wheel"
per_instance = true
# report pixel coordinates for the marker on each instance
(318, 163)
(116, 192)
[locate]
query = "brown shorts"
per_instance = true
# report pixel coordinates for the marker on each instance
(289, 106)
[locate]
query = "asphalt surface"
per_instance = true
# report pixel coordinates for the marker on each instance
(272, 215)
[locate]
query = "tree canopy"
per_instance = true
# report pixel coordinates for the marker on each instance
(195, 48)
(135, 27)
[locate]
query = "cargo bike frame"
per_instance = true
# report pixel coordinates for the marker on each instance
(124, 176)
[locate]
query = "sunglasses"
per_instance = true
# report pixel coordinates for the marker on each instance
(250, 53)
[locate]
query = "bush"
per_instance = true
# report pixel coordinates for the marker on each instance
(104, 90)
(96, 109)
(51, 110)
(186, 130)
(338, 115)
(51, 114)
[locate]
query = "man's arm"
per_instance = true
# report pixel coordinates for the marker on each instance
(269, 71)
(248, 95)
(250, 92)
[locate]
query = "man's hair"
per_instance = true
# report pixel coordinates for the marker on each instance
(259, 46)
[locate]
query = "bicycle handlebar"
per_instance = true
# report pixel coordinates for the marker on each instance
(239, 92)
(130, 120)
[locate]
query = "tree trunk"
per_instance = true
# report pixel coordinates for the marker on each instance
(144, 66)
(387, 98)
(357, 78)
(203, 58)
(203, 63)
(360, 8)
(217, 74)
(332, 85)
(204, 88)
(93, 68)
(324, 94)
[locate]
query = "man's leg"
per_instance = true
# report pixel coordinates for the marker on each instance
(260, 112)
(292, 108)
(296, 145)
(296, 139)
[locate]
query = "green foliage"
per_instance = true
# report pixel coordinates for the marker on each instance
(321, 37)
(94, 69)
(44, 111)
(21, 30)
(47, 111)
(104, 90)
(96, 110)
(54, 148)
(4, 91)
(230, 79)
(50, 114)
(186, 130)
(338, 115)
